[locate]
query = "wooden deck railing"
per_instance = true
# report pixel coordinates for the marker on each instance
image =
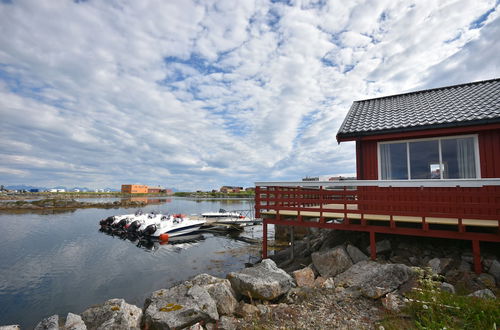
(461, 209)
(474, 203)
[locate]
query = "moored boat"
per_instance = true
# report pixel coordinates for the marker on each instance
(172, 226)
(151, 225)
(224, 217)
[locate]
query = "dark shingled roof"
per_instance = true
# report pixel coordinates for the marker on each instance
(459, 105)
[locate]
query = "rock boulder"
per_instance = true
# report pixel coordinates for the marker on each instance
(447, 287)
(245, 310)
(495, 271)
(227, 323)
(264, 281)
(373, 279)
(331, 262)
(49, 323)
(74, 322)
(179, 307)
(355, 254)
(220, 290)
(381, 246)
(486, 293)
(439, 265)
(304, 277)
(113, 314)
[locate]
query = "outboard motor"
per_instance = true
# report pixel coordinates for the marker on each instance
(149, 230)
(106, 222)
(120, 224)
(133, 227)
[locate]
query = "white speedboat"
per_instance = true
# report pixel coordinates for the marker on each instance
(228, 218)
(222, 215)
(172, 226)
(140, 223)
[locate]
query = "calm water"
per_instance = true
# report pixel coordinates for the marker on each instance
(55, 264)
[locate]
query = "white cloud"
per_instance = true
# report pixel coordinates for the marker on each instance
(194, 94)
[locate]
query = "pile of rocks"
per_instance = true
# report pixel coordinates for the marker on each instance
(262, 292)
(452, 260)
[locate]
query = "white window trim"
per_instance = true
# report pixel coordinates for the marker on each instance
(476, 152)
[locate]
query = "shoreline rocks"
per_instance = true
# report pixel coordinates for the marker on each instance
(264, 281)
(113, 314)
(64, 204)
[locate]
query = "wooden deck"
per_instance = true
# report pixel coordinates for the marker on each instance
(465, 209)
(328, 214)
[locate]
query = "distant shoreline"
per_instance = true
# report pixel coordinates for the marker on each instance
(66, 202)
(72, 195)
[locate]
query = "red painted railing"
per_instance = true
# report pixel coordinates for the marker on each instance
(474, 203)
(460, 209)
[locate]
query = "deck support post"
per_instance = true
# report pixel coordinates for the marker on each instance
(264, 239)
(292, 243)
(476, 252)
(373, 246)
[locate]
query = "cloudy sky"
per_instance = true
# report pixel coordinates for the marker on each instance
(199, 94)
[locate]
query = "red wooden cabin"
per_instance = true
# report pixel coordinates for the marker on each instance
(428, 164)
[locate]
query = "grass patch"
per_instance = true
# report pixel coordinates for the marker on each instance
(428, 307)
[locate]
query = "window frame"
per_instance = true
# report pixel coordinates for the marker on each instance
(439, 139)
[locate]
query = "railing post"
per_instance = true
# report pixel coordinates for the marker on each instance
(344, 198)
(257, 201)
(461, 227)
(321, 218)
(373, 246)
(264, 239)
(476, 252)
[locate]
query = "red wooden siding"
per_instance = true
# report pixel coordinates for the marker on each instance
(366, 160)
(489, 153)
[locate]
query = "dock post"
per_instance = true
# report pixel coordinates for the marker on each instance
(292, 241)
(264, 239)
(373, 246)
(476, 252)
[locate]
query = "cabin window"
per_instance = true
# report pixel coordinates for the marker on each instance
(394, 160)
(440, 158)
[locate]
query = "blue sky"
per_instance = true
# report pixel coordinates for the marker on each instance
(200, 94)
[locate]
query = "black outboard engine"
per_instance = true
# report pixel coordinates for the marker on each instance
(120, 224)
(134, 226)
(106, 222)
(149, 230)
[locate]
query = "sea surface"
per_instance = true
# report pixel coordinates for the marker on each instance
(60, 263)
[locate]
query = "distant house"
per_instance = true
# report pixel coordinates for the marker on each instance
(34, 190)
(154, 190)
(134, 189)
(250, 189)
(56, 190)
(230, 189)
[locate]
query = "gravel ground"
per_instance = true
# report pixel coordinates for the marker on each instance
(318, 309)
